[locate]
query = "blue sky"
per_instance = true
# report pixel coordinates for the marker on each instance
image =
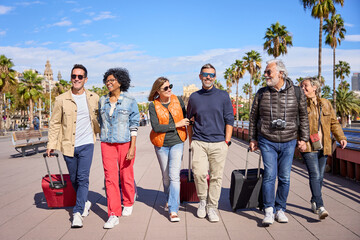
(165, 38)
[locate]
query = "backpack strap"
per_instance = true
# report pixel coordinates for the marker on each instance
(297, 93)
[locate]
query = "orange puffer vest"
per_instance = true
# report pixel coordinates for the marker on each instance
(163, 115)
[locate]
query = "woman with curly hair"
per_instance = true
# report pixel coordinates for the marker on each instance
(119, 121)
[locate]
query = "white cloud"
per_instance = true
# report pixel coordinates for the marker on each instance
(2, 33)
(349, 24)
(352, 38)
(62, 23)
(87, 21)
(181, 70)
(103, 15)
(5, 9)
(72, 29)
(25, 4)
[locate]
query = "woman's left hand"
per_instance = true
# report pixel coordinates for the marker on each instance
(131, 154)
(343, 143)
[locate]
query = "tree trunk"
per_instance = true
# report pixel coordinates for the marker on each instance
(40, 109)
(31, 114)
(250, 93)
(334, 83)
(320, 47)
(1, 118)
(237, 103)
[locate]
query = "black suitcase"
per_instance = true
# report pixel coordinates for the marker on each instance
(246, 187)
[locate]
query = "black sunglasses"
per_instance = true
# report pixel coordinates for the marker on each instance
(167, 87)
(268, 72)
(80, 77)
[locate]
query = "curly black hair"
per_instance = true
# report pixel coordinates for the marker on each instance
(121, 75)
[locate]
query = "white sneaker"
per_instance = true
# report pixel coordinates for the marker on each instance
(314, 208)
(269, 216)
(86, 209)
(111, 222)
(174, 217)
(212, 215)
(322, 213)
(77, 220)
(281, 217)
(127, 211)
(201, 211)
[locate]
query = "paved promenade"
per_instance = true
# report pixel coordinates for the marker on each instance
(25, 215)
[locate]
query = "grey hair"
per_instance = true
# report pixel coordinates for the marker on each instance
(314, 81)
(280, 66)
(208, 65)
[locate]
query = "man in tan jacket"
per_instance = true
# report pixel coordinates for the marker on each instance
(73, 128)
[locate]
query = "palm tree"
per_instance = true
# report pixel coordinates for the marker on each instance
(227, 76)
(238, 71)
(342, 69)
(325, 92)
(277, 38)
(61, 87)
(257, 79)
(252, 62)
(299, 80)
(320, 9)
(347, 104)
(7, 76)
(334, 27)
(344, 84)
(30, 89)
(218, 85)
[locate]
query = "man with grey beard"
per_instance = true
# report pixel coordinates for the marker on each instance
(278, 121)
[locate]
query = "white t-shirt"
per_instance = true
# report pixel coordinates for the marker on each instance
(84, 132)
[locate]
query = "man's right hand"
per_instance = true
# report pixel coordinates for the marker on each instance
(49, 151)
(253, 146)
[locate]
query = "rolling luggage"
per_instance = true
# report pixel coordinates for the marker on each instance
(57, 188)
(246, 187)
(187, 184)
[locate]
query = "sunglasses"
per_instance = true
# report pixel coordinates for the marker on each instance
(80, 77)
(167, 87)
(212, 75)
(110, 80)
(268, 72)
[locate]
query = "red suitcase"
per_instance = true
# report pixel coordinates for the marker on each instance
(57, 188)
(187, 184)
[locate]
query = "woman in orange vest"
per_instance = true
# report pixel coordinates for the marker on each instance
(168, 122)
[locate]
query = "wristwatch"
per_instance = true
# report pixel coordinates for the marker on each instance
(228, 143)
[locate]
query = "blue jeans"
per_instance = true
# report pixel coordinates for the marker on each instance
(315, 163)
(79, 170)
(277, 159)
(170, 163)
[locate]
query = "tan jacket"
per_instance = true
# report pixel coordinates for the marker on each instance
(329, 124)
(63, 121)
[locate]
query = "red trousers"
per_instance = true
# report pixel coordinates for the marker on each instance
(114, 161)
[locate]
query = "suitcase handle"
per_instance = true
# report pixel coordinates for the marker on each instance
(48, 170)
(189, 171)
(246, 164)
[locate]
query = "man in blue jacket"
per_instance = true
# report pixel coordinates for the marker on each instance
(209, 139)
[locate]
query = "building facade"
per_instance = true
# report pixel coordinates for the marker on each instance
(355, 82)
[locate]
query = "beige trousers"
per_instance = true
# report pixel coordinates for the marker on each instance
(208, 156)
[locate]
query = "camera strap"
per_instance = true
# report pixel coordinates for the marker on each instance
(271, 112)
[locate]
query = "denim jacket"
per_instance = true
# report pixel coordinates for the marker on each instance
(125, 118)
